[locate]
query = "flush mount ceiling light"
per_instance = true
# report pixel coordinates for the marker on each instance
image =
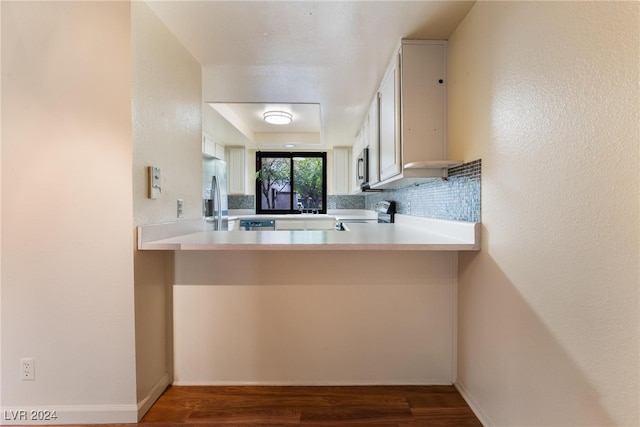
(277, 117)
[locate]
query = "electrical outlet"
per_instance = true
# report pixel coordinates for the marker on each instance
(180, 208)
(27, 369)
(409, 208)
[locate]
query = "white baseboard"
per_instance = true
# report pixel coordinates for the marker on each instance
(68, 414)
(83, 414)
(156, 391)
(473, 404)
(310, 383)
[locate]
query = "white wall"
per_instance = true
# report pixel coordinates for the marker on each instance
(167, 120)
(75, 74)
(166, 103)
(314, 317)
(67, 265)
(546, 93)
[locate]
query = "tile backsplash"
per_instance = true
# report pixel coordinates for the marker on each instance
(455, 198)
(241, 202)
(354, 201)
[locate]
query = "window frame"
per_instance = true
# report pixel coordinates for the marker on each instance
(289, 155)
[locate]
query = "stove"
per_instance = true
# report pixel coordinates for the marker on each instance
(386, 211)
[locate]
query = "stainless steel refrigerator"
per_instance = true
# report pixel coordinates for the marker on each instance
(215, 207)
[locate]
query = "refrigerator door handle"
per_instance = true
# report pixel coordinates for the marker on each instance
(217, 203)
(219, 196)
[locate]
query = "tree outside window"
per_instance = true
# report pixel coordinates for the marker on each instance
(290, 182)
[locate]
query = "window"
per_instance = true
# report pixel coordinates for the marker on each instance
(291, 182)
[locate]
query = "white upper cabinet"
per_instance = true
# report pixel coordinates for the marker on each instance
(356, 167)
(389, 150)
(236, 170)
(367, 138)
(341, 170)
(373, 138)
(412, 115)
(212, 149)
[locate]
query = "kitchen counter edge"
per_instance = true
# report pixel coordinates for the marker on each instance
(407, 233)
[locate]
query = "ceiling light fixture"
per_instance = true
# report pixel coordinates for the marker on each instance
(277, 117)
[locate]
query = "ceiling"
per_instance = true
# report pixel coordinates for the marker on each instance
(328, 54)
(247, 119)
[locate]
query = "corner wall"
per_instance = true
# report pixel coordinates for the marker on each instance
(167, 133)
(67, 269)
(546, 93)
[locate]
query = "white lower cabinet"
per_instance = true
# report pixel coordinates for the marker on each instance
(324, 224)
(311, 224)
(286, 224)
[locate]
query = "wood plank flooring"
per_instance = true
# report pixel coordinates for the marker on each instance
(380, 406)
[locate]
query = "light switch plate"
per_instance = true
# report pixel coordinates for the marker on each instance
(155, 182)
(180, 208)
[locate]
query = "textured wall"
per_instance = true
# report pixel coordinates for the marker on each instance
(167, 116)
(67, 269)
(546, 93)
(166, 133)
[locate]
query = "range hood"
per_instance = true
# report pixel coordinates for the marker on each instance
(432, 164)
(416, 173)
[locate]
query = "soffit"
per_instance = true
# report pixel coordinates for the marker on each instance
(330, 53)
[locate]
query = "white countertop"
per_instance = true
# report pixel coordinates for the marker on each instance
(407, 233)
(338, 214)
(284, 216)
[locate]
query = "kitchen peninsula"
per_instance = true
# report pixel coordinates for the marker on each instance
(373, 305)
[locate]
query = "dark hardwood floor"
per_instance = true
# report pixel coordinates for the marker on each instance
(311, 406)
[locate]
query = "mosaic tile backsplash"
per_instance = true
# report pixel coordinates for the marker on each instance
(355, 201)
(241, 202)
(455, 198)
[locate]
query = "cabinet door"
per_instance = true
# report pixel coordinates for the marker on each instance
(219, 151)
(355, 153)
(423, 102)
(236, 171)
(374, 164)
(290, 224)
(208, 147)
(341, 175)
(390, 160)
(321, 224)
